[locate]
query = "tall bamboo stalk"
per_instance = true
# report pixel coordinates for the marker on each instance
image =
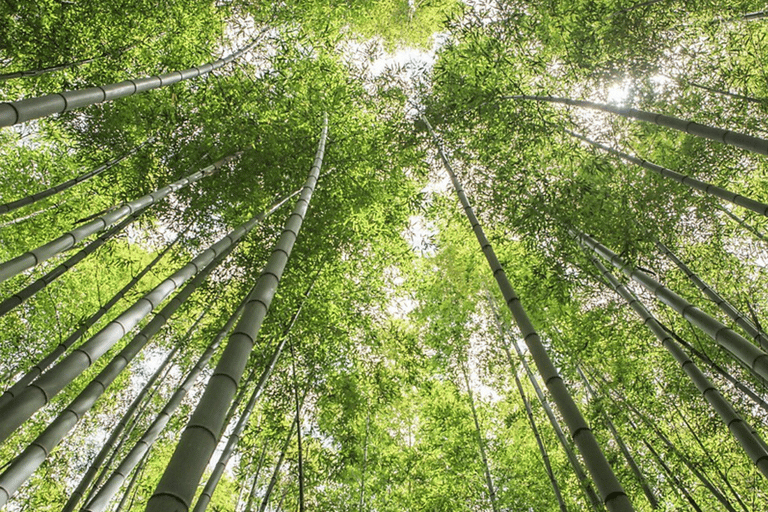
(36, 256)
(702, 186)
(37, 394)
(610, 489)
(480, 443)
(62, 347)
(179, 482)
(622, 446)
(234, 438)
(252, 491)
(28, 291)
(740, 347)
(33, 198)
(678, 485)
(129, 413)
(740, 429)
(715, 297)
(741, 140)
(35, 108)
(276, 470)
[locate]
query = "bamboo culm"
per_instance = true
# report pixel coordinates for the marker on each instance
(255, 482)
(33, 198)
(35, 454)
(610, 489)
(740, 140)
(702, 186)
(276, 470)
(34, 108)
(678, 485)
(102, 497)
(179, 482)
(129, 413)
(622, 446)
(740, 429)
(36, 395)
(754, 358)
(28, 291)
(36, 256)
(480, 443)
(723, 304)
(62, 347)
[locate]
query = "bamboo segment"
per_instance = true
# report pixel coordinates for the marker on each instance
(723, 304)
(707, 188)
(610, 489)
(62, 347)
(33, 198)
(36, 256)
(178, 484)
(35, 454)
(44, 388)
(740, 140)
(740, 429)
(101, 499)
(740, 347)
(35, 108)
(34, 287)
(276, 470)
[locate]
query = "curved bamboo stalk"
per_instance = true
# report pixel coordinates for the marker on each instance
(178, 484)
(37, 394)
(36, 256)
(28, 291)
(723, 304)
(62, 347)
(610, 489)
(740, 140)
(33, 198)
(101, 499)
(707, 188)
(120, 428)
(740, 429)
(740, 347)
(34, 108)
(35, 454)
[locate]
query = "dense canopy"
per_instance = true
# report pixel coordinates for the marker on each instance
(383, 255)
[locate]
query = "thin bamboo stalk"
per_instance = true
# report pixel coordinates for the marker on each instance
(610, 489)
(36, 256)
(34, 108)
(740, 140)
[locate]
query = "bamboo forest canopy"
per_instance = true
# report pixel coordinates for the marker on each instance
(383, 255)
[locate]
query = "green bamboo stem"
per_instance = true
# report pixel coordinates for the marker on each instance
(611, 491)
(178, 484)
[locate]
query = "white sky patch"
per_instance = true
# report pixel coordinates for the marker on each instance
(618, 94)
(420, 235)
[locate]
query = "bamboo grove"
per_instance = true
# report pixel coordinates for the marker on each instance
(383, 256)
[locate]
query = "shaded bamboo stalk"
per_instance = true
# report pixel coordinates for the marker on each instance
(611, 491)
(702, 186)
(28, 291)
(34, 108)
(480, 443)
(234, 438)
(678, 485)
(62, 347)
(276, 471)
(35, 454)
(740, 140)
(715, 297)
(254, 484)
(744, 224)
(622, 446)
(132, 484)
(179, 482)
(127, 416)
(33, 198)
(744, 434)
(741, 348)
(31, 215)
(36, 395)
(36, 256)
